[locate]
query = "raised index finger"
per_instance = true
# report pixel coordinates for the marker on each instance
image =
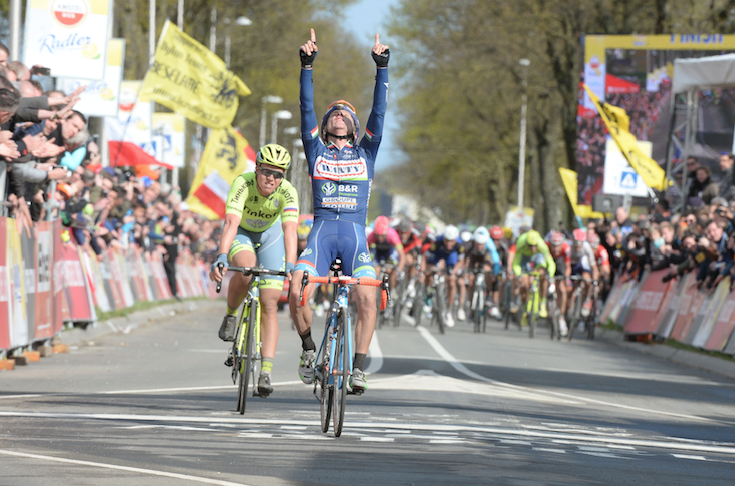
(313, 36)
(377, 39)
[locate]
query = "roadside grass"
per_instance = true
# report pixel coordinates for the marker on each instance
(141, 306)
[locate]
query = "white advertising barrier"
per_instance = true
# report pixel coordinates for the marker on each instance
(620, 177)
(101, 98)
(170, 127)
(67, 36)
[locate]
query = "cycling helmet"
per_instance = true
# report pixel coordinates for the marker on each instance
(451, 232)
(481, 235)
(593, 239)
(523, 229)
(274, 154)
(382, 223)
(303, 231)
(405, 225)
(341, 105)
(580, 236)
(496, 232)
(556, 238)
(465, 236)
(533, 238)
(508, 232)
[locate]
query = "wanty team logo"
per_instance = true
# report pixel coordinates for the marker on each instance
(69, 13)
(329, 188)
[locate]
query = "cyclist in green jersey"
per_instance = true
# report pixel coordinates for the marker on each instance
(531, 249)
(251, 236)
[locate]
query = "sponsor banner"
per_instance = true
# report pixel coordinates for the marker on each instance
(84, 260)
(730, 348)
(641, 318)
(18, 316)
(75, 286)
(61, 305)
(67, 36)
(4, 288)
(101, 97)
(44, 277)
(670, 308)
(612, 297)
(28, 253)
(170, 126)
(113, 293)
(190, 79)
(724, 325)
(120, 272)
(708, 324)
(690, 301)
(97, 285)
(226, 155)
(628, 297)
(700, 315)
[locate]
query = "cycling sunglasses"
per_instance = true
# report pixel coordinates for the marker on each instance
(268, 172)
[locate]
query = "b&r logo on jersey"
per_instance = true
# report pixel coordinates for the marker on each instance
(329, 188)
(364, 257)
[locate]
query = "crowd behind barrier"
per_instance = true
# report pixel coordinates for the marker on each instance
(46, 282)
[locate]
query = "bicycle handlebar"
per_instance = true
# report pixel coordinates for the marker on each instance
(577, 278)
(347, 280)
(246, 271)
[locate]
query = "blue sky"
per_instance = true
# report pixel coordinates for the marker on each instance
(365, 18)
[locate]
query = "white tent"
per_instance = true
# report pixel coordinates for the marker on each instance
(704, 73)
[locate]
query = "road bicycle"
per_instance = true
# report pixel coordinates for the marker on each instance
(244, 357)
(477, 304)
(577, 317)
(532, 303)
(334, 359)
(437, 300)
(553, 308)
(388, 314)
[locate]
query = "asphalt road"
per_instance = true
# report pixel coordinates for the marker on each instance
(156, 407)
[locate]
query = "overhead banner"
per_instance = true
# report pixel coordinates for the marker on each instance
(170, 128)
(226, 155)
(67, 36)
(190, 79)
(100, 98)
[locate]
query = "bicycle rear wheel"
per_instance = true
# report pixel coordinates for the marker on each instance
(326, 391)
(247, 361)
(533, 315)
(339, 395)
(477, 304)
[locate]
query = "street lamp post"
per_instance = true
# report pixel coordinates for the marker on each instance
(279, 115)
(242, 21)
(522, 149)
(263, 114)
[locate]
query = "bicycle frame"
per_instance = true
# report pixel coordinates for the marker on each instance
(340, 303)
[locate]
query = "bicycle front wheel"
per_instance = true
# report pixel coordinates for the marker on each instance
(327, 391)
(247, 361)
(341, 375)
(439, 308)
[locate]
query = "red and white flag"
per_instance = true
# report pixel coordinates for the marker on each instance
(213, 192)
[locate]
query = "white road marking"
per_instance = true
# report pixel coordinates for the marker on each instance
(463, 369)
(151, 472)
(446, 441)
(546, 449)
(377, 439)
(376, 356)
(670, 443)
(686, 456)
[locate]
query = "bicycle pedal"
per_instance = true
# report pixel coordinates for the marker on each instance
(229, 361)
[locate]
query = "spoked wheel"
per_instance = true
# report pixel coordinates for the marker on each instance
(339, 395)
(399, 301)
(476, 310)
(247, 361)
(326, 390)
(553, 319)
(418, 305)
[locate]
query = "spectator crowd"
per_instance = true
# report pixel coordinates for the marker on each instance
(50, 167)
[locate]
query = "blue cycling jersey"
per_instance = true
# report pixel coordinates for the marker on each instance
(341, 179)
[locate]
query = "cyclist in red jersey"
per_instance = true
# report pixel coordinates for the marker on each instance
(412, 243)
(385, 247)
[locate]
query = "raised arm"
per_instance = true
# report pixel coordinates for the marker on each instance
(309, 124)
(374, 127)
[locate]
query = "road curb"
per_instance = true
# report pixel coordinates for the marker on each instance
(125, 324)
(680, 356)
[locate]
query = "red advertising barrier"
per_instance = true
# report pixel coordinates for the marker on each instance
(61, 305)
(44, 305)
(75, 287)
(641, 317)
(4, 288)
(690, 302)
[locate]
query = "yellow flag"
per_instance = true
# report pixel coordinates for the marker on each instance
(569, 179)
(616, 121)
(191, 80)
(226, 155)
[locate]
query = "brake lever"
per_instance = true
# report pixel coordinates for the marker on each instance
(219, 284)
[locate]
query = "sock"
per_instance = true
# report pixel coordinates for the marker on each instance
(307, 344)
(266, 365)
(359, 361)
(231, 312)
(543, 300)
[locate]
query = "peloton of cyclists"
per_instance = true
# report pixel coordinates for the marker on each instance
(445, 255)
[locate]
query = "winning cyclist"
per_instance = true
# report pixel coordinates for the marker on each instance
(341, 173)
(386, 247)
(251, 236)
(530, 247)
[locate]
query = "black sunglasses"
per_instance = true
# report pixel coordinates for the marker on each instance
(268, 172)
